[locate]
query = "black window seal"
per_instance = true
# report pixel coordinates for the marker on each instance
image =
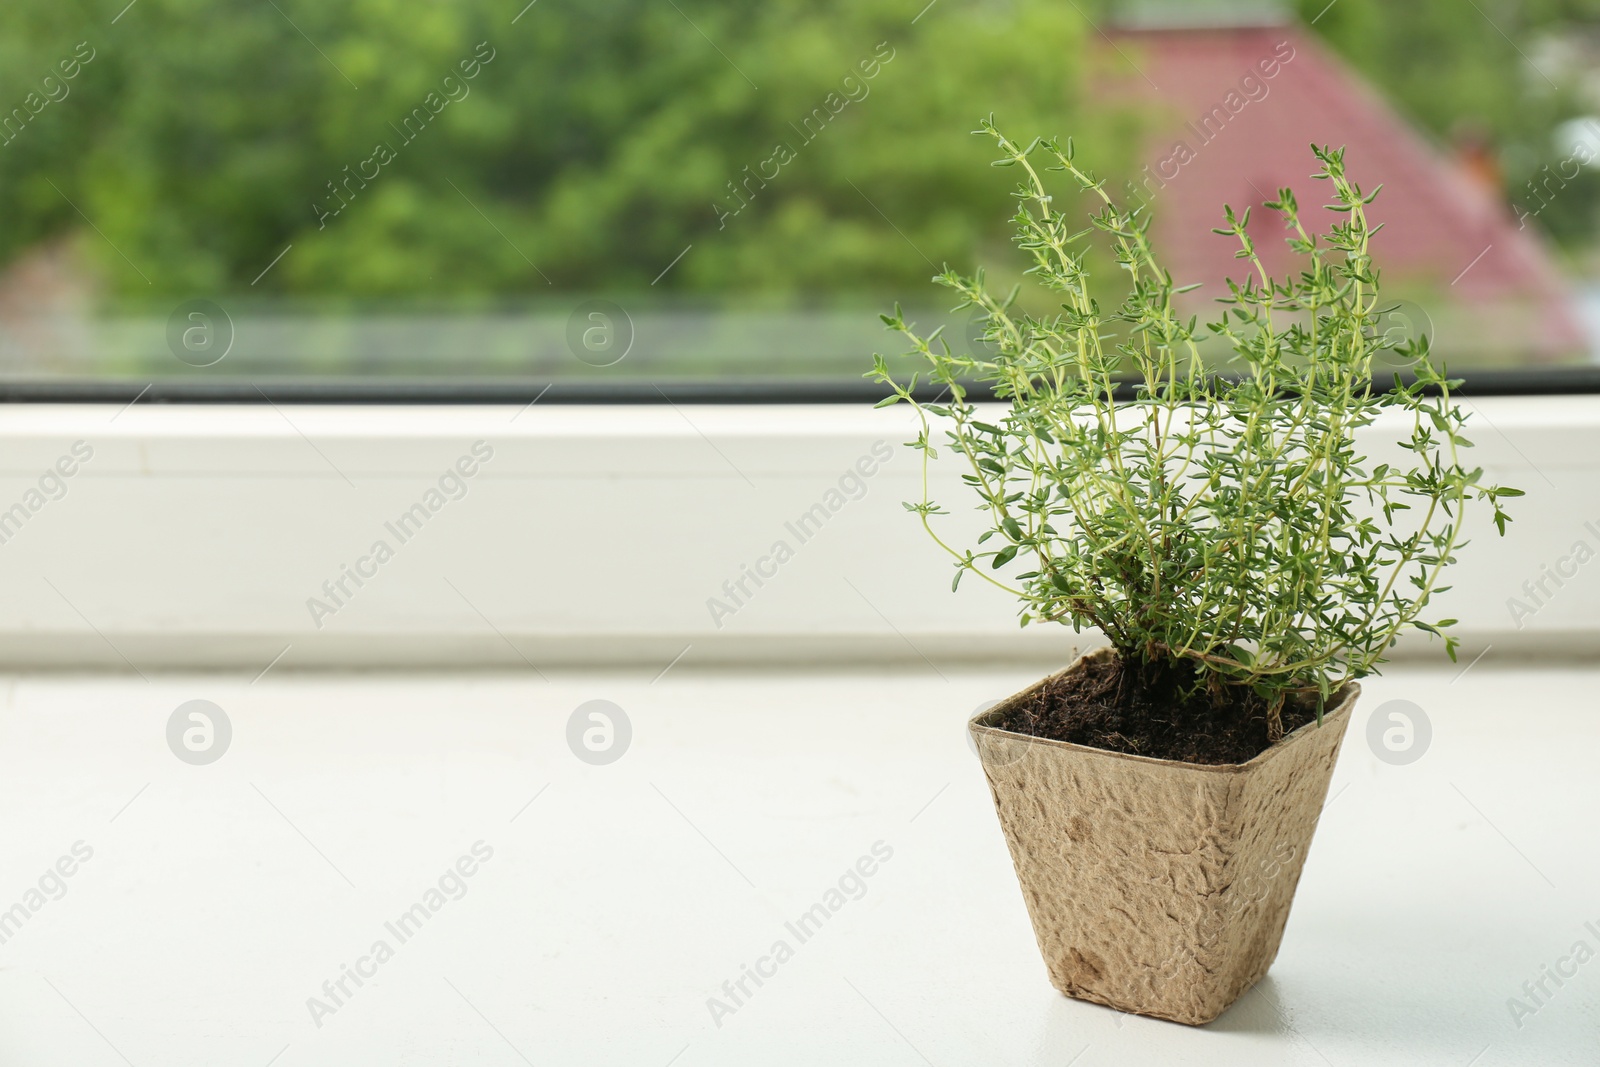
(1546, 381)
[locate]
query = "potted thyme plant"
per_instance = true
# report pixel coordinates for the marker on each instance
(1216, 523)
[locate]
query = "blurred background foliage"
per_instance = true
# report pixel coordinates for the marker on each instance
(599, 142)
(1503, 75)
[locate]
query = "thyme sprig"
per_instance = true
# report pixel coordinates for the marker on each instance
(1222, 519)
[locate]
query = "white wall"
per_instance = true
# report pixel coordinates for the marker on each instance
(196, 534)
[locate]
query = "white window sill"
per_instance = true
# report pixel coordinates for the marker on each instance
(197, 535)
(607, 917)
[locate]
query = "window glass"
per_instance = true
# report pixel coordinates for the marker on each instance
(695, 189)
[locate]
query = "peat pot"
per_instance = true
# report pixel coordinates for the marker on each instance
(1158, 887)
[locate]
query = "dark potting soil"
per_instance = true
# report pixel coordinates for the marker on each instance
(1151, 709)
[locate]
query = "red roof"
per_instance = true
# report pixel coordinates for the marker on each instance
(1238, 108)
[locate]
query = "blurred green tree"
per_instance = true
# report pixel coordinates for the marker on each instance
(593, 146)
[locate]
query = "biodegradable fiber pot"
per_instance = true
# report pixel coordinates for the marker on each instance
(1158, 887)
